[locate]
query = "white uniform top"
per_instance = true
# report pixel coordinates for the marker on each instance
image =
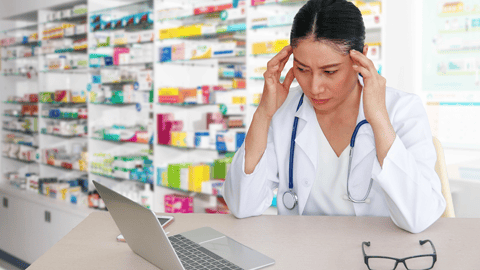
(326, 195)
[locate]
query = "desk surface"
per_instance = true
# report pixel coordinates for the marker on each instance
(312, 242)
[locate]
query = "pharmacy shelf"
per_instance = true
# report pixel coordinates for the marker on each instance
(64, 119)
(281, 2)
(110, 177)
(122, 65)
(20, 103)
(75, 18)
(26, 132)
(23, 144)
(186, 105)
(118, 83)
(35, 197)
(65, 104)
(192, 192)
(27, 44)
(64, 136)
(113, 104)
(118, 142)
(226, 60)
(73, 70)
(19, 160)
(193, 148)
(21, 116)
(62, 168)
(19, 57)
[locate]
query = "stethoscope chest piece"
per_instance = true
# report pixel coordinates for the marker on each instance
(290, 199)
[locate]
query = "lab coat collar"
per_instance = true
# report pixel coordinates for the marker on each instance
(306, 130)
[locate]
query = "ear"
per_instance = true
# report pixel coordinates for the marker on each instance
(365, 49)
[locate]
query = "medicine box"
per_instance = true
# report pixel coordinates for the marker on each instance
(175, 203)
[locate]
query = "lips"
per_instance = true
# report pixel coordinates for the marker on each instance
(320, 101)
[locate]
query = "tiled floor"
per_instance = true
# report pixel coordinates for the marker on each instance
(6, 266)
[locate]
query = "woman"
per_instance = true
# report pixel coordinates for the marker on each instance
(393, 159)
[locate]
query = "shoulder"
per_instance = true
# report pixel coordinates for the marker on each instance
(399, 100)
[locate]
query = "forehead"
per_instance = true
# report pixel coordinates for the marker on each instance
(318, 53)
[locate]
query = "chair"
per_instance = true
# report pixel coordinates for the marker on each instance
(441, 169)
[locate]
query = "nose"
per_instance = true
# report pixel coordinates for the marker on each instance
(318, 85)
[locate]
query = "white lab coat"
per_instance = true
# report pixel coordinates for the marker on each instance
(407, 188)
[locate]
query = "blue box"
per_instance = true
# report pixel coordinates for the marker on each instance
(166, 54)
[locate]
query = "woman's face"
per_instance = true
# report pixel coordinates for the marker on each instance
(324, 73)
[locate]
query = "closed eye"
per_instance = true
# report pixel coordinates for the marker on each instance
(301, 69)
(330, 72)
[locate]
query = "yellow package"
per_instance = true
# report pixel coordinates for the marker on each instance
(168, 91)
(178, 138)
(197, 175)
(239, 100)
(190, 30)
(267, 47)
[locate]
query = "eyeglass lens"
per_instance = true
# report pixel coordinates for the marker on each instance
(418, 263)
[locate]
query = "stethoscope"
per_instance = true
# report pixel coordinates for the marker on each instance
(290, 198)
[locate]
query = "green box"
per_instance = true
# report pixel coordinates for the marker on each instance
(117, 97)
(174, 174)
(220, 167)
(46, 97)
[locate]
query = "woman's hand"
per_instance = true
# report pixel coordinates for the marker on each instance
(274, 92)
(374, 86)
(374, 105)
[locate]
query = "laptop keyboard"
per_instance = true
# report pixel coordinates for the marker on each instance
(194, 256)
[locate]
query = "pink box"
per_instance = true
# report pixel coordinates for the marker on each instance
(176, 203)
(217, 210)
(178, 52)
(116, 54)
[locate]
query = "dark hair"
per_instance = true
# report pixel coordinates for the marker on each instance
(336, 21)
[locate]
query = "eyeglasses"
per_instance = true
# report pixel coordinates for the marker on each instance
(418, 262)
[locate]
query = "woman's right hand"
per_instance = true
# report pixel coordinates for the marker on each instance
(274, 92)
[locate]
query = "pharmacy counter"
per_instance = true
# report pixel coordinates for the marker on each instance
(295, 242)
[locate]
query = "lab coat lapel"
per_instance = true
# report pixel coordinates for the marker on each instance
(306, 152)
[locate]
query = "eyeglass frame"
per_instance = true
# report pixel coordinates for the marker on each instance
(402, 260)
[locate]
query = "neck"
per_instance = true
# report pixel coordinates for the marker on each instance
(346, 111)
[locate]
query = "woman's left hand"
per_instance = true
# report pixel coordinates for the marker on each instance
(374, 86)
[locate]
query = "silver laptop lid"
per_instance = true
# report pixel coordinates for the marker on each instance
(141, 229)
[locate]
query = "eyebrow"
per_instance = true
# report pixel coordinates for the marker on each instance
(322, 67)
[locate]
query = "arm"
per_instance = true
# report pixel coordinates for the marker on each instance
(407, 176)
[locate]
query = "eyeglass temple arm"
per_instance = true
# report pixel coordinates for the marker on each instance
(422, 242)
(363, 250)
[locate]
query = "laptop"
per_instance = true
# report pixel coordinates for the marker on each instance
(203, 248)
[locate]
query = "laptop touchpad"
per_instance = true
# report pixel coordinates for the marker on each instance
(237, 253)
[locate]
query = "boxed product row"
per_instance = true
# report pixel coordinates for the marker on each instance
(177, 203)
(124, 37)
(133, 167)
(232, 71)
(64, 30)
(66, 128)
(18, 40)
(26, 124)
(26, 110)
(200, 95)
(269, 47)
(137, 134)
(63, 96)
(66, 61)
(104, 94)
(64, 45)
(206, 178)
(65, 113)
(27, 70)
(190, 51)
(272, 21)
(197, 8)
(170, 132)
(200, 30)
(20, 139)
(19, 52)
(24, 98)
(74, 158)
(18, 151)
(104, 22)
(77, 10)
(142, 53)
(141, 79)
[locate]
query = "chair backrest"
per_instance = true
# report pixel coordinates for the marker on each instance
(441, 169)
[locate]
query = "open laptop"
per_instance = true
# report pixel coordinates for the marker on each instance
(203, 248)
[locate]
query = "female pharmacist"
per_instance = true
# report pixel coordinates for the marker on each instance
(300, 138)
